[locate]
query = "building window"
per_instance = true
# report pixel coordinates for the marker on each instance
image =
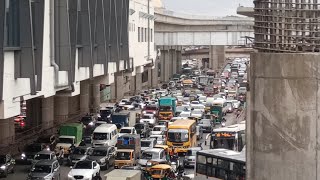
(146, 35)
(12, 26)
(142, 40)
(151, 35)
(138, 34)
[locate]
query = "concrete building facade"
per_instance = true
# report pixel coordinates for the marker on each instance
(56, 54)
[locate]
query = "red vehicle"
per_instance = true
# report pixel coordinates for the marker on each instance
(19, 122)
(150, 109)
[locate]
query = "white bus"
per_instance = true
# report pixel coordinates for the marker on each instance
(230, 137)
(220, 164)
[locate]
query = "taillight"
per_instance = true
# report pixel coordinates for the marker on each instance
(22, 123)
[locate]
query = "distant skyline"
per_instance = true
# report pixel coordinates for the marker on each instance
(206, 7)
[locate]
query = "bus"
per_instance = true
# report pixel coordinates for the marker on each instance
(230, 137)
(182, 135)
(220, 164)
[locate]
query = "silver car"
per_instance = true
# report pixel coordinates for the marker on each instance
(190, 159)
(78, 154)
(45, 169)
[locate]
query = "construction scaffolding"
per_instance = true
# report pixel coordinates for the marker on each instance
(287, 25)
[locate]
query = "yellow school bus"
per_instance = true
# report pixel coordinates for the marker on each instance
(181, 135)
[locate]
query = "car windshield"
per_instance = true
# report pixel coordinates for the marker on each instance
(83, 165)
(33, 148)
(180, 108)
(158, 129)
(79, 151)
(127, 103)
(42, 156)
(41, 169)
(125, 131)
(191, 153)
(205, 121)
(178, 135)
(146, 117)
(149, 155)
(151, 108)
(100, 136)
(196, 111)
(139, 126)
(145, 143)
(165, 108)
(86, 120)
(98, 152)
(66, 140)
(184, 115)
(123, 156)
(194, 102)
(2, 159)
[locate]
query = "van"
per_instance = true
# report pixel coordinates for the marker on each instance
(105, 135)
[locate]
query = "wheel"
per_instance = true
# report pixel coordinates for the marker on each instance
(107, 166)
(5, 174)
(12, 170)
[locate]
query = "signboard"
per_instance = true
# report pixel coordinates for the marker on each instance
(224, 134)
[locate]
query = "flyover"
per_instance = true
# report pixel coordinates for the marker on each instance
(174, 30)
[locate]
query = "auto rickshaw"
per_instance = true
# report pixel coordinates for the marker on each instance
(154, 162)
(162, 171)
(197, 119)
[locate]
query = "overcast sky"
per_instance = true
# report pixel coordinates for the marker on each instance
(206, 7)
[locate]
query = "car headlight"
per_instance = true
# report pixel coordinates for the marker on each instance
(102, 161)
(154, 112)
(23, 155)
(3, 167)
(144, 112)
(91, 123)
(70, 175)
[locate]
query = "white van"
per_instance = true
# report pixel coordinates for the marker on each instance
(105, 135)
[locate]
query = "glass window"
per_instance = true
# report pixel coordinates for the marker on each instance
(138, 34)
(201, 169)
(142, 40)
(12, 26)
(201, 159)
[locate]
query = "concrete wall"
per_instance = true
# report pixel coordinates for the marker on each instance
(283, 128)
(216, 57)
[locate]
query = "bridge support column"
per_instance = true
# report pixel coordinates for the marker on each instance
(47, 113)
(84, 96)
(7, 133)
(283, 123)
(138, 81)
(61, 110)
(155, 72)
(165, 65)
(174, 63)
(216, 57)
(119, 85)
(179, 62)
(94, 96)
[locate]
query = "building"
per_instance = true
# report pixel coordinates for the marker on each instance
(60, 58)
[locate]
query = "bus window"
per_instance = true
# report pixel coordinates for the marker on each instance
(224, 143)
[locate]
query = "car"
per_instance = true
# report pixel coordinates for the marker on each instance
(161, 140)
(229, 107)
(6, 165)
(143, 129)
(20, 122)
(236, 103)
(242, 90)
(185, 114)
(159, 130)
(78, 154)
(196, 113)
(88, 121)
(44, 155)
(195, 102)
(127, 130)
(48, 141)
(128, 106)
(206, 125)
(151, 154)
(86, 169)
(202, 99)
(148, 118)
(45, 169)
(190, 158)
(150, 109)
(147, 143)
(123, 102)
(29, 152)
(104, 156)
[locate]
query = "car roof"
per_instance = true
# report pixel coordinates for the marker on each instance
(127, 127)
(46, 162)
(156, 150)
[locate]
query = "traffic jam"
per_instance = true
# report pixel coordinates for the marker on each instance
(192, 127)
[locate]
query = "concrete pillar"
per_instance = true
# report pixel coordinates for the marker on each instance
(150, 77)
(283, 124)
(7, 133)
(174, 63)
(216, 57)
(120, 85)
(61, 109)
(84, 96)
(155, 78)
(94, 97)
(113, 91)
(138, 81)
(34, 111)
(179, 61)
(172, 55)
(47, 113)
(133, 85)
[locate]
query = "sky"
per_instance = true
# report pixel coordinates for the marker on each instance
(206, 7)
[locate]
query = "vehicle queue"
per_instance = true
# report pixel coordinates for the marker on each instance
(164, 139)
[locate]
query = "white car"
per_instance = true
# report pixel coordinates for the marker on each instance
(185, 114)
(159, 130)
(197, 113)
(86, 169)
(128, 106)
(127, 130)
(161, 139)
(123, 101)
(198, 106)
(195, 102)
(148, 118)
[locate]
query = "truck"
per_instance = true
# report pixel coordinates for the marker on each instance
(128, 150)
(120, 119)
(167, 108)
(218, 108)
(203, 80)
(69, 134)
(123, 174)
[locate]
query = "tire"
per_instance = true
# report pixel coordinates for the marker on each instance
(5, 174)
(107, 166)
(12, 170)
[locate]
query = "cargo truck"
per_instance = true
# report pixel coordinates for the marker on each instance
(69, 134)
(167, 108)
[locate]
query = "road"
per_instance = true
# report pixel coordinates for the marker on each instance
(21, 171)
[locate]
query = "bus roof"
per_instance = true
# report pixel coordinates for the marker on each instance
(233, 128)
(181, 123)
(225, 154)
